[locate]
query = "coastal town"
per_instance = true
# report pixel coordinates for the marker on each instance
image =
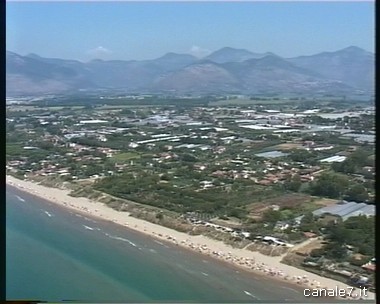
(190, 152)
(289, 179)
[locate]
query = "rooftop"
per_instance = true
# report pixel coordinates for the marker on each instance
(346, 210)
(333, 159)
(271, 154)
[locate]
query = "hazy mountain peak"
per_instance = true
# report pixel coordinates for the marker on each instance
(228, 54)
(97, 60)
(170, 55)
(351, 65)
(270, 60)
(353, 48)
(270, 54)
(173, 61)
(34, 56)
(230, 49)
(12, 54)
(15, 59)
(177, 57)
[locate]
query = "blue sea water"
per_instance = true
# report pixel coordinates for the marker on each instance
(54, 254)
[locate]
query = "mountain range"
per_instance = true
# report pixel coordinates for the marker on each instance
(227, 70)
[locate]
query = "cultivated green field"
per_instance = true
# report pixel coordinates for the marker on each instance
(124, 157)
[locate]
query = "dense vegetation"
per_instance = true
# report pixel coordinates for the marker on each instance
(356, 232)
(155, 190)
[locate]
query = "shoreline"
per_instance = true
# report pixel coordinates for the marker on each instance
(242, 259)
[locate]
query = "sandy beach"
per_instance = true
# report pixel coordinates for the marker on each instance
(245, 259)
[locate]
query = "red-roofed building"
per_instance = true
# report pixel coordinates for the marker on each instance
(371, 267)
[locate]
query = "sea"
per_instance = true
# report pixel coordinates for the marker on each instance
(54, 254)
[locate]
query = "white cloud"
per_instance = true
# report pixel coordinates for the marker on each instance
(199, 51)
(99, 52)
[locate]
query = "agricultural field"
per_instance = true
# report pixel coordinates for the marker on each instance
(125, 157)
(324, 202)
(287, 146)
(294, 202)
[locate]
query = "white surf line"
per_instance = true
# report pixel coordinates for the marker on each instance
(205, 274)
(251, 295)
(20, 198)
(48, 214)
(122, 239)
(87, 227)
(133, 244)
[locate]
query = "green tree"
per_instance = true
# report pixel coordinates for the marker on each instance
(359, 157)
(299, 155)
(335, 251)
(358, 231)
(357, 193)
(330, 185)
(287, 214)
(186, 157)
(308, 223)
(308, 218)
(347, 166)
(271, 216)
(293, 183)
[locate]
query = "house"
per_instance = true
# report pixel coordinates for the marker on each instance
(281, 225)
(323, 147)
(200, 167)
(218, 173)
(245, 234)
(370, 266)
(219, 149)
(275, 241)
(333, 159)
(306, 178)
(133, 145)
(368, 168)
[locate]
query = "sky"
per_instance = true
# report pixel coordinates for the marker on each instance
(147, 30)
